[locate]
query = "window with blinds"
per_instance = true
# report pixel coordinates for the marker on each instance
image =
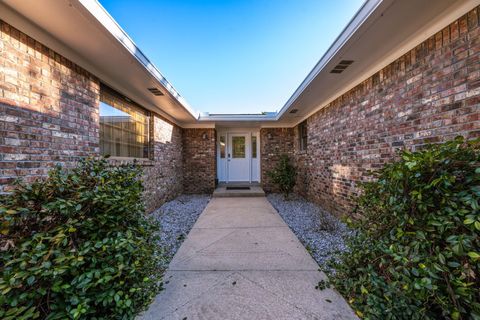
(124, 126)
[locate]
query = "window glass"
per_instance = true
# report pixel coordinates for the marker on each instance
(222, 147)
(238, 147)
(124, 126)
(302, 135)
(254, 147)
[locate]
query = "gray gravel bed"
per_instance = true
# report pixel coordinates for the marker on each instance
(322, 234)
(176, 219)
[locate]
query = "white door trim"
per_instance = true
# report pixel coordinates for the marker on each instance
(223, 172)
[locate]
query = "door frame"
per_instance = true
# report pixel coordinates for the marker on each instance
(227, 132)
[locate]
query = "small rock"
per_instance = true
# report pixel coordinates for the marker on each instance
(176, 219)
(319, 231)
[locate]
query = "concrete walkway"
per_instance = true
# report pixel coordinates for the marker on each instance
(241, 261)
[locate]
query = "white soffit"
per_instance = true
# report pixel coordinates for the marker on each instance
(392, 29)
(380, 32)
(83, 32)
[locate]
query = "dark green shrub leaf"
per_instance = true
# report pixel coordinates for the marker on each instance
(73, 243)
(416, 254)
(283, 175)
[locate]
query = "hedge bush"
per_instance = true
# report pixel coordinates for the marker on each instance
(417, 251)
(77, 245)
(283, 175)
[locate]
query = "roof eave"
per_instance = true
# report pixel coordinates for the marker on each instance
(358, 19)
(110, 25)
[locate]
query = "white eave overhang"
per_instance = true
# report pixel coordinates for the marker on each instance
(237, 120)
(267, 116)
(84, 32)
(379, 33)
(102, 16)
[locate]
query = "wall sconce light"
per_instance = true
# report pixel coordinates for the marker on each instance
(205, 136)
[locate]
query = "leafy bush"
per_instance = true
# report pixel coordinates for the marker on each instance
(417, 253)
(283, 175)
(77, 246)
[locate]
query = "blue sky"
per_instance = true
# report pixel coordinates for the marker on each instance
(234, 56)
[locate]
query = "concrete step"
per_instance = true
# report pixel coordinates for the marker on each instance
(223, 192)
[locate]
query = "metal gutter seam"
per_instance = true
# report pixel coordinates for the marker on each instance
(365, 11)
(107, 21)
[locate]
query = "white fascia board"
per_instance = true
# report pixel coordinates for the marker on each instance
(198, 125)
(107, 21)
(431, 29)
(360, 17)
(239, 117)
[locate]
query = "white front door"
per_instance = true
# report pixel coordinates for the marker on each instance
(238, 157)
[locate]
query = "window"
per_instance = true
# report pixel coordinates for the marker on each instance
(238, 147)
(254, 147)
(124, 126)
(222, 147)
(302, 136)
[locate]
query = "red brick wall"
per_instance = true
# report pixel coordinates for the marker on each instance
(48, 109)
(163, 180)
(428, 95)
(301, 160)
(199, 160)
(49, 113)
(273, 143)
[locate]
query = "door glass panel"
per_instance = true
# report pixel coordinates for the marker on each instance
(254, 147)
(238, 147)
(222, 147)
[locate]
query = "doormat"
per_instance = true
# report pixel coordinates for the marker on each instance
(238, 188)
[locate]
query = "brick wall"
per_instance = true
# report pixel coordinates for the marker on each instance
(428, 95)
(163, 180)
(199, 160)
(302, 164)
(273, 143)
(48, 109)
(49, 113)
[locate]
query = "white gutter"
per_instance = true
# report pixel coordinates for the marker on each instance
(368, 7)
(107, 21)
(267, 116)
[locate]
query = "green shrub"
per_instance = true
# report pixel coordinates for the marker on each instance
(283, 175)
(417, 252)
(77, 245)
